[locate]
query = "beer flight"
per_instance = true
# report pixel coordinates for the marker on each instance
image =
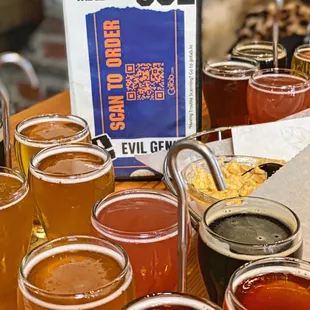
(119, 250)
(250, 90)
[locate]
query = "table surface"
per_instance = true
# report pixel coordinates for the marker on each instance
(61, 104)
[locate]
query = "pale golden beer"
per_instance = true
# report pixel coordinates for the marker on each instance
(301, 59)
(39, 132)
(66, 182)
(75, 273)
(16, 215)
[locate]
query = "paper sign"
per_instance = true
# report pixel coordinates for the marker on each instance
(279, 140)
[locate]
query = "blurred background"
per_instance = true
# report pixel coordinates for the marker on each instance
(35, 29)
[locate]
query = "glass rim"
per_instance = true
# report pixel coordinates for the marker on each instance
(211, 65)
(305, 84)
(132, 236)
(52, 117)
(301, 48)
(22, 191)
(165, 295)
(79, 147)
(248, 266)
(49, 245)
(292, 237)
(236, 50)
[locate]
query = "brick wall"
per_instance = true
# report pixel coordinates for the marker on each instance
(47, 51)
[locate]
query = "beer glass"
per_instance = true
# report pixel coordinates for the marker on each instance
(39, 132)
(144, 222)
(16, 214)
(274, 94)
(225, 90)
(262, 51)
(173, 301)
(66, 181)
(301, 59)
(271, 283)
(237, 230)
(75, 272)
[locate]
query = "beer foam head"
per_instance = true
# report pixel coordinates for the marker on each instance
(265, 266)
(78, 137)
(300, 53)
(34, 298)
(121, 236)
(171, 300)
(236, 250)
(71, 148)
(265, 48)
(219, 70)
(269, 270)
(293, 89)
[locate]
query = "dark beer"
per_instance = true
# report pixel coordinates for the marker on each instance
(171, 301)
(240, 231)
(276, 283)
(225, 90)
(261, 51)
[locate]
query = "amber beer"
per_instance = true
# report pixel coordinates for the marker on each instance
(171, 301)
(16, 213)
(301, 59)
(272, 283)
(225, 90)
(238, 230)
(145, 223)
(39, 132)
(66, 182)
(75, 272)
(274, 94)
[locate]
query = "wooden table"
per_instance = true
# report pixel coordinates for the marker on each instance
(61, 104)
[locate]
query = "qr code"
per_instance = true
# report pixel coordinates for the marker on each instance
(145, 81)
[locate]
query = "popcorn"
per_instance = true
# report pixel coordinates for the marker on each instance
(237, 183)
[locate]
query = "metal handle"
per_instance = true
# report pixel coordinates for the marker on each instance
(183, 233)
(28, 69)
(24, 64)
(4, 97)
(275, 32)
(166, 179)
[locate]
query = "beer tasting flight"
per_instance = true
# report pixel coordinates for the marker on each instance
(71, 240)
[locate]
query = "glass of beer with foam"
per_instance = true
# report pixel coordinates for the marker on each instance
(75, 273)
(16, 214)
(39, 132)
(36, 133)
(66, 181)
(273, 283)
(145, 223)
(172, 301)
(238, 230)
(301, 59)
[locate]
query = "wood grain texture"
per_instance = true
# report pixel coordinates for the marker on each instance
(61, 104)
